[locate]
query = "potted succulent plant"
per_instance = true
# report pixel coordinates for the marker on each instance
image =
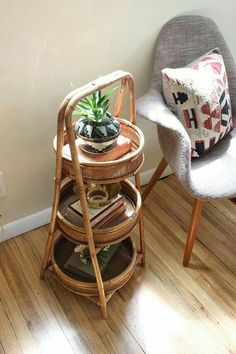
(97, 128)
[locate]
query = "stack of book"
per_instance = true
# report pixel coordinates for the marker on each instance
(80, 263)
(100, 216)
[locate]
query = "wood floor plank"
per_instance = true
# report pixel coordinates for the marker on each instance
(16, 318)
(2, 351)
(206, 267)
(211, 233)
(74, 309)
(115, 335)
(163, 309)
(19, 290)
(43, 299)
(8, 338)
(211, 312)
(169, 302)
(170, 229)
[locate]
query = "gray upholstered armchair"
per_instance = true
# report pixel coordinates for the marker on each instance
(212, 176)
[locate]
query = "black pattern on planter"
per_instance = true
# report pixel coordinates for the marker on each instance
(98, 137)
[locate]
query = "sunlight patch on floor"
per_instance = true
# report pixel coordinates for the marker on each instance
(160, 324)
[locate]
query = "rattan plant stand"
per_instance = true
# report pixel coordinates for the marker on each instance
(71, 177)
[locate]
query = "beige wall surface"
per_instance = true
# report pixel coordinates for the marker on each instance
(47, 44)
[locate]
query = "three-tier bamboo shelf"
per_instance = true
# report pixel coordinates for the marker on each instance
(71, 177)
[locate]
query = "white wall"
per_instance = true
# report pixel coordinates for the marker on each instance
(47, 44)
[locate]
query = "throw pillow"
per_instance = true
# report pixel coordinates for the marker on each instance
(199, 95)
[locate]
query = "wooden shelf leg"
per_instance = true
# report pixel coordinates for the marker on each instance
(196, 213)
(104, 311)
(141, 222)
(46, 261)
(85, 211)
(157, 174)
(102, 296)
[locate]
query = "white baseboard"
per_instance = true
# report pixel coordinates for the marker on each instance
(26, 224)
(41, 218)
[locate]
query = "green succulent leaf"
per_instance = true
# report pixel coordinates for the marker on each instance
(96, 97)
(101, 100)
(83, 105)
(106, 103)
(95, 107)
(91, 102)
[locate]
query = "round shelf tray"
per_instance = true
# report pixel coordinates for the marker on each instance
(71, 223)
(117, 272)
(107, 171)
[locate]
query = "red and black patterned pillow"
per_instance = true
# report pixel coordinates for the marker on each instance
(199, 95)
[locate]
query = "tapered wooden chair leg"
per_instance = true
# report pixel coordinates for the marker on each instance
(157, 174)
(141, 223)
(196, 213)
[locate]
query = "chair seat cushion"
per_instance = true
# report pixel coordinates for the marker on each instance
(214, 175)
(198, 94)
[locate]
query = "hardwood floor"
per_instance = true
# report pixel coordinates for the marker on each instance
(164, 308)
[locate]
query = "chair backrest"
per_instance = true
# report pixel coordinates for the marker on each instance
(184, 39)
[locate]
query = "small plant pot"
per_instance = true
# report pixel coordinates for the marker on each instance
(98, 137)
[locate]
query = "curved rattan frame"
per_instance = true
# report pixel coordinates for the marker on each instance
(65, 118)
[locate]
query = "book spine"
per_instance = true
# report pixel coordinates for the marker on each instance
(110, 216)
(107, 211)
